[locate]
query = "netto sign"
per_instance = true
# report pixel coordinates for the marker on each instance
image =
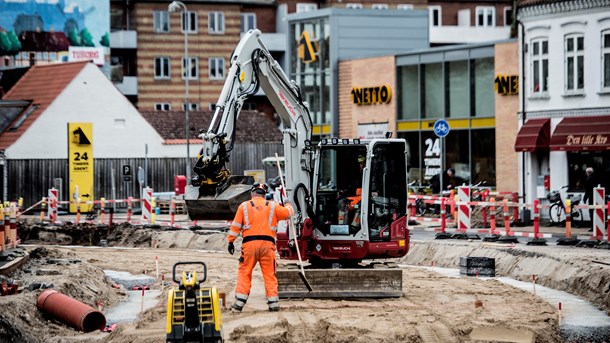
(507, 84)
(371, 95)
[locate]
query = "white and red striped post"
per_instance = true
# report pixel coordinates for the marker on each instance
(77, 221)
(413, 204)
(129, 209)
(443, 215)
(506, 217)
(146, 205)
(537, 219)
(608, 222)
(484, 197)
(102, 210)
(599, 197)
(492, 216)
(53, 195)
(463, 208)
(172, 213)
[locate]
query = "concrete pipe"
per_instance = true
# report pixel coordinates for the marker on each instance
(70, 311)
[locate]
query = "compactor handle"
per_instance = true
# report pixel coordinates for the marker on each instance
(205, 271)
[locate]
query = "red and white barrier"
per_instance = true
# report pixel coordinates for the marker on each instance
(53, 201)
(147, 205)
(599, 197)
(463, 208)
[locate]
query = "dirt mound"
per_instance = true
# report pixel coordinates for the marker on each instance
(20, 320)
(124, 235)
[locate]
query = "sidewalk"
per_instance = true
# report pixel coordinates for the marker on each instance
(545, 229)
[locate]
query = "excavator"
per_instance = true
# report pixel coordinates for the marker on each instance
(349, 195)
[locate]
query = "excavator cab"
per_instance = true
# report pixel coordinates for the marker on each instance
(354, 198)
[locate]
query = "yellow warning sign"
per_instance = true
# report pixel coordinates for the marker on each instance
(80, 165)
(307, 52)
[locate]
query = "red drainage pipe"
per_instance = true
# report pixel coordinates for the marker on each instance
(71, 311)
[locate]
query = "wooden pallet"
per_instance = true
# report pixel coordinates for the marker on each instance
(165, 206)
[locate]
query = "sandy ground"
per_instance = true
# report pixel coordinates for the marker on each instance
(434, 308)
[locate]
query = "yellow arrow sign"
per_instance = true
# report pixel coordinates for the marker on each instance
(307, 52)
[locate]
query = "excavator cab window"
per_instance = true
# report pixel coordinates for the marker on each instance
(387, 189)
(339, 184)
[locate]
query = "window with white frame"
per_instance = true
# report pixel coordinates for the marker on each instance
(486, 16)
(380, 6)
(606, 60)
(216, 22)
(190, 67)
(435, 15)
(163, 106)
(212, 107)
(306, 7)
(574, 52)
(161, 67)
(248, 22)
(404, 7)
(161, 21)
(539, 66)
(353, 5)
(192, 106)
(508, 16)
(189, 22)
(216, 68)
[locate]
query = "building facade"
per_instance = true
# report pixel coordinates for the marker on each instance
(565, 98)
(339, 34)
(463, 85)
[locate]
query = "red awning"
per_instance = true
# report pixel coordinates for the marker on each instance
(581, 134)
(534, 135)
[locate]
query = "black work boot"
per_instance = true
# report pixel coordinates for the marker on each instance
(274, 306)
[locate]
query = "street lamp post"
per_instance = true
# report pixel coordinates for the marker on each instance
(179, 6)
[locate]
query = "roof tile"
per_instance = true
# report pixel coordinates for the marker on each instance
(41, 84)
(252, 126)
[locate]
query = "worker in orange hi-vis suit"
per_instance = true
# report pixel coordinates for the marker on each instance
(256, 220)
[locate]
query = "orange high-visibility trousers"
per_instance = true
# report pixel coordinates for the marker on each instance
(262, 252)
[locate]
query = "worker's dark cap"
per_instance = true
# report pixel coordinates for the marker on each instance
(259, 188)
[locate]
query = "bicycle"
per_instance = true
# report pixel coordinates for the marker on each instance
(557, 210)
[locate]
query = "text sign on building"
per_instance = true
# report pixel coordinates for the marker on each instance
(372, 95)
(586, 140)
(372, 130)
(507, 84)
(80, 164)
(82, 53)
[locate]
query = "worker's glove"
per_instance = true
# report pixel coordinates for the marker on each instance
(231, 248)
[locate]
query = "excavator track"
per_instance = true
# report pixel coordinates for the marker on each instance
(341, 283)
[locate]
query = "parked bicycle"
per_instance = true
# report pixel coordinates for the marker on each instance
(420, 205)
(557, 211)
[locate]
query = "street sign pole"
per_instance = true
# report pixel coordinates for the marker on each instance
(441, 130)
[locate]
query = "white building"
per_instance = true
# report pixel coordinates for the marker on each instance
(564, 115)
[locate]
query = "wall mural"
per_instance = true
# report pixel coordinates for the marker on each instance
(52, 26)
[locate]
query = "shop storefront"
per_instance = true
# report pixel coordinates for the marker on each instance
(455, 84)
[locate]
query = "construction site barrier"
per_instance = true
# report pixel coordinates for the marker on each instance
(599, 197)
(147, 204)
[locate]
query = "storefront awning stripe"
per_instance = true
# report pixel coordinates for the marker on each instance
(534, 135)
(582, 134)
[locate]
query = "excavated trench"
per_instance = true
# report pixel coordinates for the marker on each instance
(582, 272)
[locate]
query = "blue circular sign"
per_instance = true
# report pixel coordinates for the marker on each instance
(441, 128)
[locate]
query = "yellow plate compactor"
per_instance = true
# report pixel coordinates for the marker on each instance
(193, 312)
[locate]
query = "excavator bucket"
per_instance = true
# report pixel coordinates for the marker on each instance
(341, 283)
(223, 204)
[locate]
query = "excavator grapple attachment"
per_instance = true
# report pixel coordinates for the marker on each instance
(220, 205)
(341, 283)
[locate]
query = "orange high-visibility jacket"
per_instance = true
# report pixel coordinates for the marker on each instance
(258, 217)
